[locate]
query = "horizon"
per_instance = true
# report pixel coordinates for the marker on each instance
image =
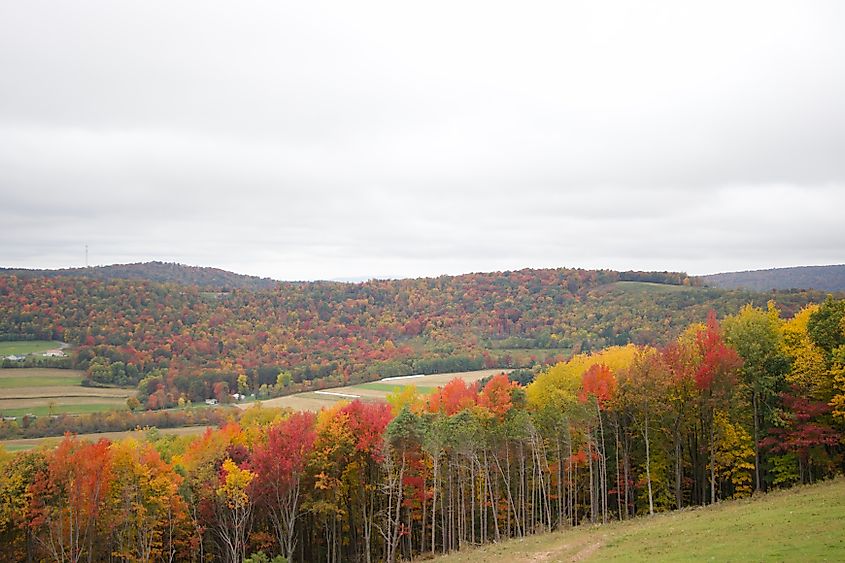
(361, 279)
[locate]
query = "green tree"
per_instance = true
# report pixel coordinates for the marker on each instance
(757, 337)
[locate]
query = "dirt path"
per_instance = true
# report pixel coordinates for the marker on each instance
(586, 552)
(562, 553)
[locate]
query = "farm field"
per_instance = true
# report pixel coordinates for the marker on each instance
(650, 287)
(799, 524)
(44, 391)
(32, 443)
(24, 347)
(373, 391)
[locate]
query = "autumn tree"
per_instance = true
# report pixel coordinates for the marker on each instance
(16, 503)
(714, 377)
(643, 388)
(279, 464)
(148, 515)
(756, 336)
(68, 498)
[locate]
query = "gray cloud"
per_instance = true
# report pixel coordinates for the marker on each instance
(335, 140)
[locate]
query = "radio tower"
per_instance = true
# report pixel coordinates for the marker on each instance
(86, 255)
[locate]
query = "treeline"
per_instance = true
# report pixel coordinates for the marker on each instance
(328, 334)
(35, 361)
(825, 278)
(753, 403)
(163, 272)
(113, 421)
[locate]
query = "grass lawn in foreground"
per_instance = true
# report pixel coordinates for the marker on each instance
(799, 524)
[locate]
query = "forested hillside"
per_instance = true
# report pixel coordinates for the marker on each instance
(824, 278)
(178, 341)
(163, 272)
(748, 402)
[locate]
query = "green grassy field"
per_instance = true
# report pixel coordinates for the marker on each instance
(44, 391)
(391, 388)
(800, 524)
(64, 408)
(23, 347)
(35, 377)
(649, 287)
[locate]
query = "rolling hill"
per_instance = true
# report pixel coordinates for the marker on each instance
(800, 524)
(185, 339)
(822, 278)
(162, 272)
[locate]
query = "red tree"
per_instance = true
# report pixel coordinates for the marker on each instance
(279, 464)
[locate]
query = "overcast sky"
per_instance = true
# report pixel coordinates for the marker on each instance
(303, 140)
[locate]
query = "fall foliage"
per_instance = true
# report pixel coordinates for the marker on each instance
(746, 402)
(185, 342)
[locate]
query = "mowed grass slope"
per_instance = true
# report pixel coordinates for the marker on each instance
(799, 524)
(650, 287)
(44, 391)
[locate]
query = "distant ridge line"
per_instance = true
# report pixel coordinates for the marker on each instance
(155, 271)
(821, 278)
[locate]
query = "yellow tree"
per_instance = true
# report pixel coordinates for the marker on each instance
(807, 369)
(756, 335)
(406, 395)
(234, 510)
(826, 327)
(201, 464)
(148, 515)
(330, 460)
(16, 474)
(555, 395)
(734, 456)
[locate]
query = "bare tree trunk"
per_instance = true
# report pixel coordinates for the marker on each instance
(574, 491)
(393, 488)
(755, 401)
(493, 503)
(593, 509)
(471, 502)
(508, 483)
(603, 468)
(626, 470)
(523, 516)
(434, 502)
(559, 484)
(618, 481)
(648, 466)
(712, 460)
